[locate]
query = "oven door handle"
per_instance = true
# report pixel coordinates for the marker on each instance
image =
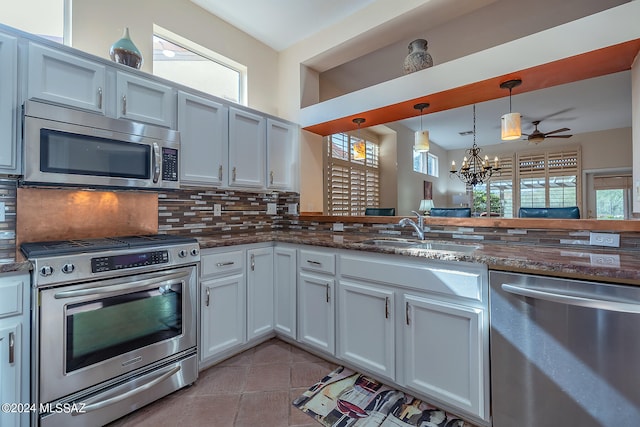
(121, 397)
(164, 280)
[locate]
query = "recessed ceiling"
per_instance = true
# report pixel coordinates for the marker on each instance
(282, 23)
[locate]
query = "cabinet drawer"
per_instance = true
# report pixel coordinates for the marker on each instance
(317, 261)
(11, 298)
(424, 277)
(222, 263)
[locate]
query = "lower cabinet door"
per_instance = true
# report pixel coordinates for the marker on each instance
(366, 335)
(284, 280)
(316, 313)
(223, 314)
(259, 292)
(444, 353)
(10, 368)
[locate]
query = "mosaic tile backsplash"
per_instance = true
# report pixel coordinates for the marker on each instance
(192, 211)
(8, 225)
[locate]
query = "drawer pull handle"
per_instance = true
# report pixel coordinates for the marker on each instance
(12, 347)
(314, 262)
(406, 312)
(327, 287)
(386, 307)
(224, 264)
(208, 297)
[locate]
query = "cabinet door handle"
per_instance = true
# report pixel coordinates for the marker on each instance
(207, 300)
(406, 312)
(100, 98)
(314, 262)
(233, 174)
(12, 347)
(124, 105)
(271, 178)
(386, 307)
(253, 262)
(220, 173)
(327, 287)
(224, 264)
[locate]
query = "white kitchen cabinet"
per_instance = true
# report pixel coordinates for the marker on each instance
(284, 279)
(316, 314)
(144, 100)
(14, 346)
(259, 292)
(223, 314)
(443, 352)
(67, 79)
(366, 333)
(282, 155)
(203, 126)
(247, 149)
(222, 302)
(9, 149)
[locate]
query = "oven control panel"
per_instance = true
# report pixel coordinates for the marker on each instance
(120, 262)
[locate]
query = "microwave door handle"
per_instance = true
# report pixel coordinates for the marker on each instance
(156, 162)
(119, 398)
(159, 280)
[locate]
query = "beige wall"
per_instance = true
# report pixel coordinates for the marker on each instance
(97, 24)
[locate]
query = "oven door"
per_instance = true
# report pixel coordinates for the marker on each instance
(97, 331)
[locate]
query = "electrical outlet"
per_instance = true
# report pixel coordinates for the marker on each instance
(604, 239)
(338, 226)
(293, 209)
(271, 208)
(217, 210)
(605, 260)
(2, 217)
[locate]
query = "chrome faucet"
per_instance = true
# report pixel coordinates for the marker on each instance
(419, 227)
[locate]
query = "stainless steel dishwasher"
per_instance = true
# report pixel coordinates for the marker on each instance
(564, 352)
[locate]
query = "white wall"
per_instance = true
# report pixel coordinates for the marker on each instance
(97, 24)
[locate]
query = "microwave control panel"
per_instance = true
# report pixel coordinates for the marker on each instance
(169, 164)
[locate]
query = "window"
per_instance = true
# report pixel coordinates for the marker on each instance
(499, 192)
(353, 183)
(549, 179)
(180, 60)
(613, 196)
(426, 163)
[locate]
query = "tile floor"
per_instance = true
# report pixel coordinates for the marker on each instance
(254, 388)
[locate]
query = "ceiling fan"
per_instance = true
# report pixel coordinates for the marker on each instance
(537, 137)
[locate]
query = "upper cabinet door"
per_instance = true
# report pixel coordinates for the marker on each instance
(9, 153)
(282, 155)
(246, 149)
(66, 79)
(143, 100)
(203, 140)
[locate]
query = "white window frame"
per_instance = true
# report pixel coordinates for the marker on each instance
(426, 158)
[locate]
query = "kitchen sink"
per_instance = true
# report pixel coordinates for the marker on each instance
(421, 244)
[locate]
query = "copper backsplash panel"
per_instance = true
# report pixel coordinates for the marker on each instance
(55, 214)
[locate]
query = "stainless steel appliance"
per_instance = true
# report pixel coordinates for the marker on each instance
(564, 352)
(114, 325)
(66, 146)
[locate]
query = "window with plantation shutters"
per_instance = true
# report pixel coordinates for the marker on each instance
(352, 174)
(549, 179)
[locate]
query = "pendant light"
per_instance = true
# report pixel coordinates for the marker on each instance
(511, 128)
(360, 147)
(421, 143)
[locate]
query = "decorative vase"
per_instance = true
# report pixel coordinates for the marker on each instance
(125, 52)
(418, 57)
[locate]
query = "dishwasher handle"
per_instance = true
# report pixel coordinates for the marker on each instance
(622, 305)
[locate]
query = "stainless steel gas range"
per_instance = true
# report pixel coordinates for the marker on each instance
(114, 325)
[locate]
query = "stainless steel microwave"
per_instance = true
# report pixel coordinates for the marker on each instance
(70, 147)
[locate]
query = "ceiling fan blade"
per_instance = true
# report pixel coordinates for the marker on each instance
(558, 136)
(557, 130)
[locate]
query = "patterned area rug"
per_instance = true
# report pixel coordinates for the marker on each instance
(346, 398)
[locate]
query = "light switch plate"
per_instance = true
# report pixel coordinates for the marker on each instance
(293, 209)
(2, 217)
(217, 209)
(271, 208)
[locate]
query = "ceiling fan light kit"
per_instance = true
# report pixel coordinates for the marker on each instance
(421, 143)
(510, 122)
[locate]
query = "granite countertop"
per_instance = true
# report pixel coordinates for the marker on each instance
(589, 263)
(13, 266)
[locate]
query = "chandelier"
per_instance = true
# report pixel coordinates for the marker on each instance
(475, 170)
